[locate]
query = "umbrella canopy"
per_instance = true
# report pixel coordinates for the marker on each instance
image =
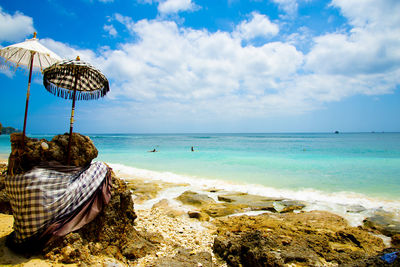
(76, 80)
(67, 76)
(30, 54)
(21, 54)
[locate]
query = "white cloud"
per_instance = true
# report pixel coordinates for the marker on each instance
(258, 26)
(175, 6)
(14, 28)
(371, 47)
(289, 6)
(179, 73)
(198, 70)
(370, 13)
(68, 52)
(166, 7)
(110, 30)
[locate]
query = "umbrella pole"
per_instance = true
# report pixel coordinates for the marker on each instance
(71, 125)
(27, 100)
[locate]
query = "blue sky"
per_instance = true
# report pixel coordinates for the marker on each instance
(213, 66)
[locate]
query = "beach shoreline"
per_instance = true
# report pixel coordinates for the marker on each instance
(162, 212)
(353, 207)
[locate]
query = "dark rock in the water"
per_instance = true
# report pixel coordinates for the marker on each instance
(195, 199)
(355, 209)
(384, 222)
(111, 233)
(36, 151)
(288, 205)
(306, 239)
(184, 258)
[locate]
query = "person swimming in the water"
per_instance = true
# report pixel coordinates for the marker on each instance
(192, 149)
(154, 150)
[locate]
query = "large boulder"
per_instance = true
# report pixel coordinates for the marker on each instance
(307, 239)
(111, 234)
(34, 151)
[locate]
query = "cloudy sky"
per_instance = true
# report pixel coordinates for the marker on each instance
(213, 65)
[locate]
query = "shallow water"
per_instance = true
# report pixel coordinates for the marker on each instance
(344, 169)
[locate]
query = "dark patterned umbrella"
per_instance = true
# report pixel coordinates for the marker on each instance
(76, 80)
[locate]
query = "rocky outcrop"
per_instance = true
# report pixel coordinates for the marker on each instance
(111, 233)
(235, 202)
(383, 222)
(34, 151)
(5, 206)
(308, 239)
(7, 130)
(195, 199)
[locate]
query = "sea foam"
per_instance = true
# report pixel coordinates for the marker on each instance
(355, 207)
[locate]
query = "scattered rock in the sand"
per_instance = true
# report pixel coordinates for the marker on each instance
(36, 151)
(165, 207)
(201, 216)
(111, 233)
(384, 222)
(310, 239)
(195, 199)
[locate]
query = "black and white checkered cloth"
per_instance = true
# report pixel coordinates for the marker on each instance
(43, 196)
(60, 80)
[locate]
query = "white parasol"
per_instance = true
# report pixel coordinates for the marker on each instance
(30, 54)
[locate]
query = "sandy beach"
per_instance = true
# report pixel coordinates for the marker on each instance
(175, 229)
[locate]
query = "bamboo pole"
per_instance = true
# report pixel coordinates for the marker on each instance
(71, 125)
(27, 99)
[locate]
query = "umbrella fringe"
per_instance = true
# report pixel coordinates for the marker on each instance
(12, 67)
(59, 79)
(80, 95)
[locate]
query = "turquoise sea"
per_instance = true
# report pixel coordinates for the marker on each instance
(305, 165)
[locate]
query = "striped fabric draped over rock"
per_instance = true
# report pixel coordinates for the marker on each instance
(43, 196)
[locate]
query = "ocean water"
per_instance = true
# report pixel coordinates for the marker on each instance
(346, 168)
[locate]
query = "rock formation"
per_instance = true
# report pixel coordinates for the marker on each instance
(7, 130)
(111, 233)
(34, 151)
(310, 239)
